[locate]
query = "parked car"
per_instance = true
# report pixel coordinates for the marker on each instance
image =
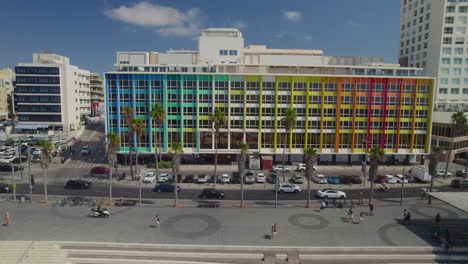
(99, 170)
(225, 178)
(189, 179)
(77, 184)
(7, 167)
(201, 178)
(235, 178)
(36, 151)
(211, 179)
(61, 141)
(18, 160)
(35, 159)
(400, 178)
(260, 177)
(85, 150)
(7, 159)
(164, 177)
(333, 179)
(330, 193)
(297, 178)
(150, 177)
(320, 178)
(288, 188)
(273, 178)
(459, 183)
(441, 173)
(277, 168)
(460, 173)
(249, 178)
(391, 179)
(165, 187)
(301, 167)
(380, 179)
(211, 193)
(5, 188)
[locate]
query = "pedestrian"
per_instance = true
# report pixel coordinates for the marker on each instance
(361, 217)
(448, 237)
(323, 206)
(371, 208)
(7, 219)
(437, 219)
(274, 230)
(350, 215)
(157, 222)
(360, 198)
(406, 216)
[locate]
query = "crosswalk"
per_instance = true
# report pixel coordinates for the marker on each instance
(65, 179)
(82, 165)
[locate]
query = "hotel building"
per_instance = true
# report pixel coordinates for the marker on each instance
(344, 105)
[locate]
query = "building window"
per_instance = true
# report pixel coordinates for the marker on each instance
(450, 9)
(443, 90)
(459, 41)
(465, 90)
(233, 52)
(456, 71)
(223, 52)
(463, 9)
(445, 60)
(449, 20)
(457, 61)
(447, 40)
(454, 91)
(448, 30)
(456, 81)
(461, 20)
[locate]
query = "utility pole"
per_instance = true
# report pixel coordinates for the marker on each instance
(402, 187)
(30, 176)
(276, 191)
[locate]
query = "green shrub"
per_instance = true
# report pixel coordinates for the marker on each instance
(165, 164)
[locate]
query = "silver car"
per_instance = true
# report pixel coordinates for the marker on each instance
(297, 178)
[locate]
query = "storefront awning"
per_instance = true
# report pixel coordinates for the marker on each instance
(456, 199)
(31, 126)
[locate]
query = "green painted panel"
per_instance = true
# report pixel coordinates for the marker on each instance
(237, 78)
(221, 77)
(203, 77)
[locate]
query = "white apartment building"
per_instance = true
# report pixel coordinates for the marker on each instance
(7, 76)
(434, 35)
(50, 93)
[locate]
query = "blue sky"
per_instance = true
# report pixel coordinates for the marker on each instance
(90, 32)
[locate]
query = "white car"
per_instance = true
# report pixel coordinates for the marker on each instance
(200, 178)
(302, 167)
(164, 177)
(320, 178)
(297, 178)
(37, 151)
(225, 178)
(329, 193)
(61, 141)
(391, 179)
(288, 188)
(281, 168)
(149, 177)
(441, 173)
(85, 150)
(400, 178)
(260, 177)
(6, 159)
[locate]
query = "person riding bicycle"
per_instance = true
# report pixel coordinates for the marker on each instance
(384, 187)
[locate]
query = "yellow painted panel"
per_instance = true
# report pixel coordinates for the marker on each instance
(315, 93)
(421, 119)
(346, 131)
(390, 131)
(347, 106)
(395, 119)
(392, 106)
(359, 150)
(360, 131)
(407, 95)
(330, 93)
(329, 118)
(315, 106)
(299, 93)
(361, 106)
(377, 119)
(407, 107)
(406, 119)
(422, 107)
(346, 118)
(253, 78)
(221, 105)
(376, 131)
(361, 118)
(405, 131)
(237, 92)
(190, 130)
(204, 117)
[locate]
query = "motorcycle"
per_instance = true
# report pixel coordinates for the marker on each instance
(384, 188)
(103, 212)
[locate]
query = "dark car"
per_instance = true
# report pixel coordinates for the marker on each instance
(35, 159)
(350, 179)
(459, 183)
(5, 188)
(272, 178)
(381, 179)
(7, 167)
(165, 187)
(460, 173)
(212, 193)
(189, 179)
(18, 160)
(77, 184)
(99, 170)
(236, 178)
(211, 179)
(356, 179)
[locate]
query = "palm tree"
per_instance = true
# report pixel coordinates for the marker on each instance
(459, 122)
(376, 155)
(289, 120)
(176, 153)
(433, 163)
(128, 115)
(241, 167)
(159, 115)
(138, 127)
(45, 158)
(113, 145)
(218, 121)
(310, 154)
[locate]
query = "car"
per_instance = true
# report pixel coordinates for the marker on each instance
(320, 178)
(77, 184)
(8, 167)
(273, 178)
(225, 178)
(99, 170)
(212, 193)
(36, 151)
(297, 178)
(5, 188)
(165, 187)
(35, 159)
(61, 141)
(164, 177)
(460, 173)
(7, 159)
(249, 178)
(189, 179)
(149, 177)
(400, 178)
(277, 168)
(201, 178)
(330, 193)
(301, 167)
(391, 179)
(236, 178)
(260, 177)
(18, 160)
(333, 179)
(288, 188)
(85, 150)
(459, 183)
(381, 179)
(441, 173)
(350, 179)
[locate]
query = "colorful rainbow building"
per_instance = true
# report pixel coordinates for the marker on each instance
(344, 105)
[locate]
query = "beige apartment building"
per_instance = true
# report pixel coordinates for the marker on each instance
(6, 88)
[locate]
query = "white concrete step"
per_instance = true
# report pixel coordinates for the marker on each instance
(38, 253)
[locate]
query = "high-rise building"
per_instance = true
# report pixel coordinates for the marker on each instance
(434, 36)
(97, 94)
(7, 77)
(344, 105)
(48, 93)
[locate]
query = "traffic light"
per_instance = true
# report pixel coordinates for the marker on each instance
(32, 179)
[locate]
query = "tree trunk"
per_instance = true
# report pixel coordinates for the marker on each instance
(131, 159)
(175, 171)
(284, 151)
(242, 190)
(466, 166)
(371, 194)
(46, 197)
(30, 177)
(156, 152)
(450, 150)
(137, 173)
(110, 185)
(308, 193)
(216, 158)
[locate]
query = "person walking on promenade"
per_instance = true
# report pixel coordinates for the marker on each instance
(323, 206)
(437, 220)
(350, 215)
(7, 219)
(274, 230)
(158, 223)
(406, 216)
(361, 217)
(371, 208)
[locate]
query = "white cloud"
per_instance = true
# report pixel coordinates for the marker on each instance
(167, 20)
(308, 37)
(239, 24)
(352, 23)
(292, 15)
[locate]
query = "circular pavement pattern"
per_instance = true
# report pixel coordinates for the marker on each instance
(308, 221)
(422, 211)
(190, 226)
(383, 233)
